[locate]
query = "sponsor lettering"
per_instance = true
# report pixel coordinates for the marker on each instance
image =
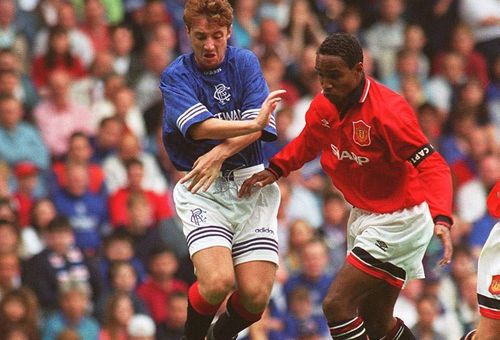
(264, 230)
(344, 154)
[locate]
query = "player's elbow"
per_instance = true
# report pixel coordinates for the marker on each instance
(198, 132)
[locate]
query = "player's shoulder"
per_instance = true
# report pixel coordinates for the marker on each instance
(241, 57)
(177, 69)
(386, 100)
(383, 94)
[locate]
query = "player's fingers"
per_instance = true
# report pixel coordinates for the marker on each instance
(198, 185)
(188, 176)
(209, 183)
(194, 181)
(276, 93)
(246, 186)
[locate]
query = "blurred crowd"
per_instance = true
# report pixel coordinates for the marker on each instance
(90, 247)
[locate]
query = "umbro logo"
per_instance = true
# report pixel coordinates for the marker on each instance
(325, 123)
(382, 245)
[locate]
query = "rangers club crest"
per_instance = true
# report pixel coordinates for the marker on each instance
(494, 288)
(361, 133)
(221, 93)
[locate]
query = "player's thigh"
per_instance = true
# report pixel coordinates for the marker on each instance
(377, 309)
(255, 280)
(348, 290)
(488, 329)
(214, 268)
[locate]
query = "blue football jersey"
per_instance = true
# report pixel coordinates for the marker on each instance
(233, 91)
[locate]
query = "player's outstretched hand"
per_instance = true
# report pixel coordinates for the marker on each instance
(443, 232)
(259, 179)
(204, 172)
(268, 107)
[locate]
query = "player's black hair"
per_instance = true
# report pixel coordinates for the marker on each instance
(343, 45)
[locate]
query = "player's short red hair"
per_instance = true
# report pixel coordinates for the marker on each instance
(218, 11)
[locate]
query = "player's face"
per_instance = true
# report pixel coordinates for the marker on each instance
(337, 79)
(209, 41)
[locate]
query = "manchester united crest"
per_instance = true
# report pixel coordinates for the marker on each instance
(361, 133)
(494, 288)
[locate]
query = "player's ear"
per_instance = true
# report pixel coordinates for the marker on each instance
(229, 31)
(188, 30)
(359, 67)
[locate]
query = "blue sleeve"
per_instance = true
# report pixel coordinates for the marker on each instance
(182, 108)
(255, 91)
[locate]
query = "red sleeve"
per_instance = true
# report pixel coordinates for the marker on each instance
(407, 142)
(302, 149)
(435, 176)
(494, 201)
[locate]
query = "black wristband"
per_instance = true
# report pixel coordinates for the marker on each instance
(275, 170)
(443, 220)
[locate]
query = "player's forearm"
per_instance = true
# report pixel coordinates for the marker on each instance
(435, 174)
(222, 129)
(234, 145)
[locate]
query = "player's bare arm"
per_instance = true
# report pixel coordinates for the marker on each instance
(222, 129)
(443, 232)
(259, 179)
(207, 167)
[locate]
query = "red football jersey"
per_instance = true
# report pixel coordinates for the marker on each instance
(375, 153)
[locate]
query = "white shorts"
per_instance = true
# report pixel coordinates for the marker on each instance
(390, 246)
(488, 276)
(217, 217)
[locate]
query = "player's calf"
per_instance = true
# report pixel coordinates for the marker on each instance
(399, 332)
(236, 318)
(348, 329)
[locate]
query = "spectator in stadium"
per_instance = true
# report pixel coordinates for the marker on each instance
(162, 265)
(125, 108)
(300, 233)
(156, 59)
(300, 320)
(348, 94)
(86, 210)
(159, 205)
(74, 299)
(10, 273)
(334, 228)
(126, 62)
(406, 66)
(173, 327)
(386, 36)
(462, 42)
(140, 227)
(415, 41)
(95, 25)
(116, 174)
(11, 84)
(57, 57)
(33, 235)
(107, 138)
(58, 116)
(79, 152)
(79, 44)
(428, 310)
(313, 275)
(27, 181)
(25, 90)
(9, 237)
(245, 25)
(119, 312)
(19, 308)
(118, 247)
(19, 140)
(11, 37)
(61, 262)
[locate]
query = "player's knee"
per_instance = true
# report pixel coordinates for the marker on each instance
(334, 306)
(255, 298)
(217, 286)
